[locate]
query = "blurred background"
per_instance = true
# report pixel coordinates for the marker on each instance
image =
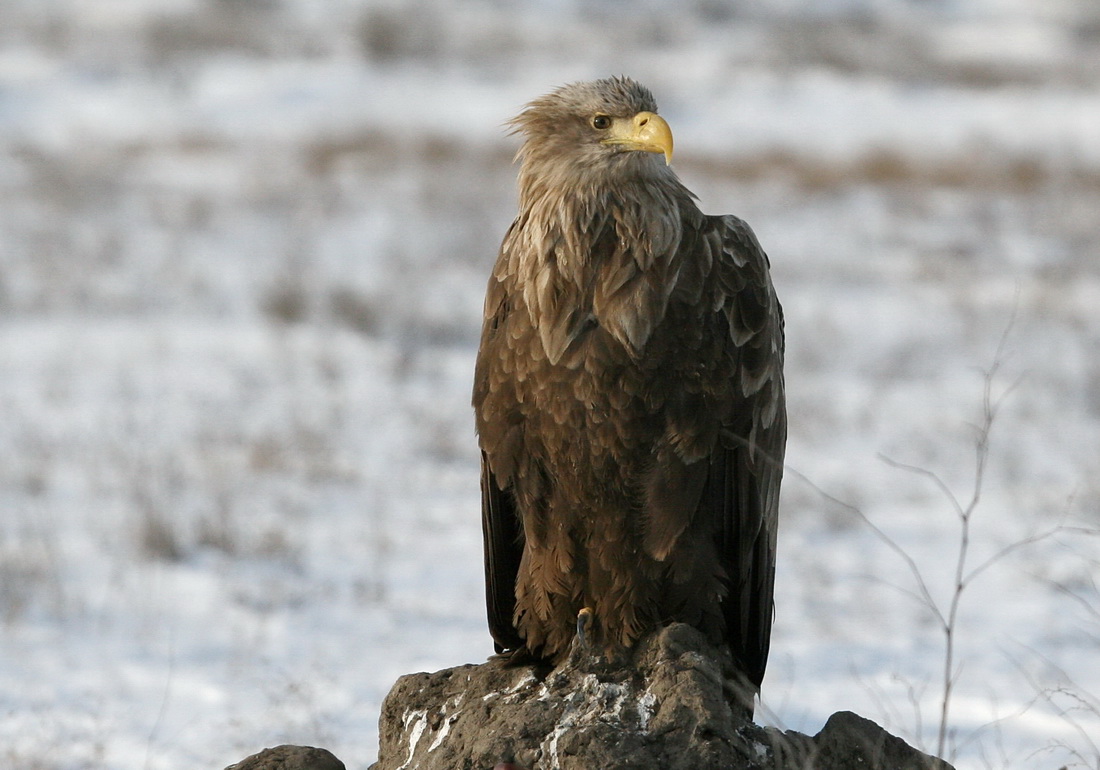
(243, 246)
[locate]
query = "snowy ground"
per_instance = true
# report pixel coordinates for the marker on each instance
(242, 250)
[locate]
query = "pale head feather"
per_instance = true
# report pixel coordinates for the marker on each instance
(563, 153)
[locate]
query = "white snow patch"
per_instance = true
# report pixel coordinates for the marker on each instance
(647, 707)
(419, 720)
(523, 682)
(449, 714)
(216, 503)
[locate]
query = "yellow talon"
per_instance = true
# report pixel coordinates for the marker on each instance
(585, 620)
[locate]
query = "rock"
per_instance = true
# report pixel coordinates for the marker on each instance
(849, 740)
(290, 758)
(674, 705)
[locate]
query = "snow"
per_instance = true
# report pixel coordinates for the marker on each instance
(242, 255)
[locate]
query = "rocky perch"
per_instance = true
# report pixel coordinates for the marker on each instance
(673, 706)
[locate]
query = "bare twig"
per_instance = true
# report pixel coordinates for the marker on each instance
(964, 508)
(947, 617)
(963, 577)
(1079, 701)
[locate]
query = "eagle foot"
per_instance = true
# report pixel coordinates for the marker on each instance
(586, 627)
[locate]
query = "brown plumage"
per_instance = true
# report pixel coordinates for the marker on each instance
(628, 394)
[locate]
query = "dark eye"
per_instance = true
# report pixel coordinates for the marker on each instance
(601, 122)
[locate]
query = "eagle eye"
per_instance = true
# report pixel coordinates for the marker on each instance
(601, 122)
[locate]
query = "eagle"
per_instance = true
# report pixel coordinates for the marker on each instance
(628, 396)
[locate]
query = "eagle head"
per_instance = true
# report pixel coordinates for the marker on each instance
(593, 130)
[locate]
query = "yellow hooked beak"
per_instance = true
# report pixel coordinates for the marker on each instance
(646, 131)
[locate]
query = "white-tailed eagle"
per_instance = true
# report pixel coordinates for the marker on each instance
(628, 395)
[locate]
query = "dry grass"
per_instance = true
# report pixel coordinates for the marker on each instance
(891, 168)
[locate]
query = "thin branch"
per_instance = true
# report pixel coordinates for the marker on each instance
(1073, 693)
(924, 594)
(1065, 591)
(930, 475)
(947, 618)
(1009, 549)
